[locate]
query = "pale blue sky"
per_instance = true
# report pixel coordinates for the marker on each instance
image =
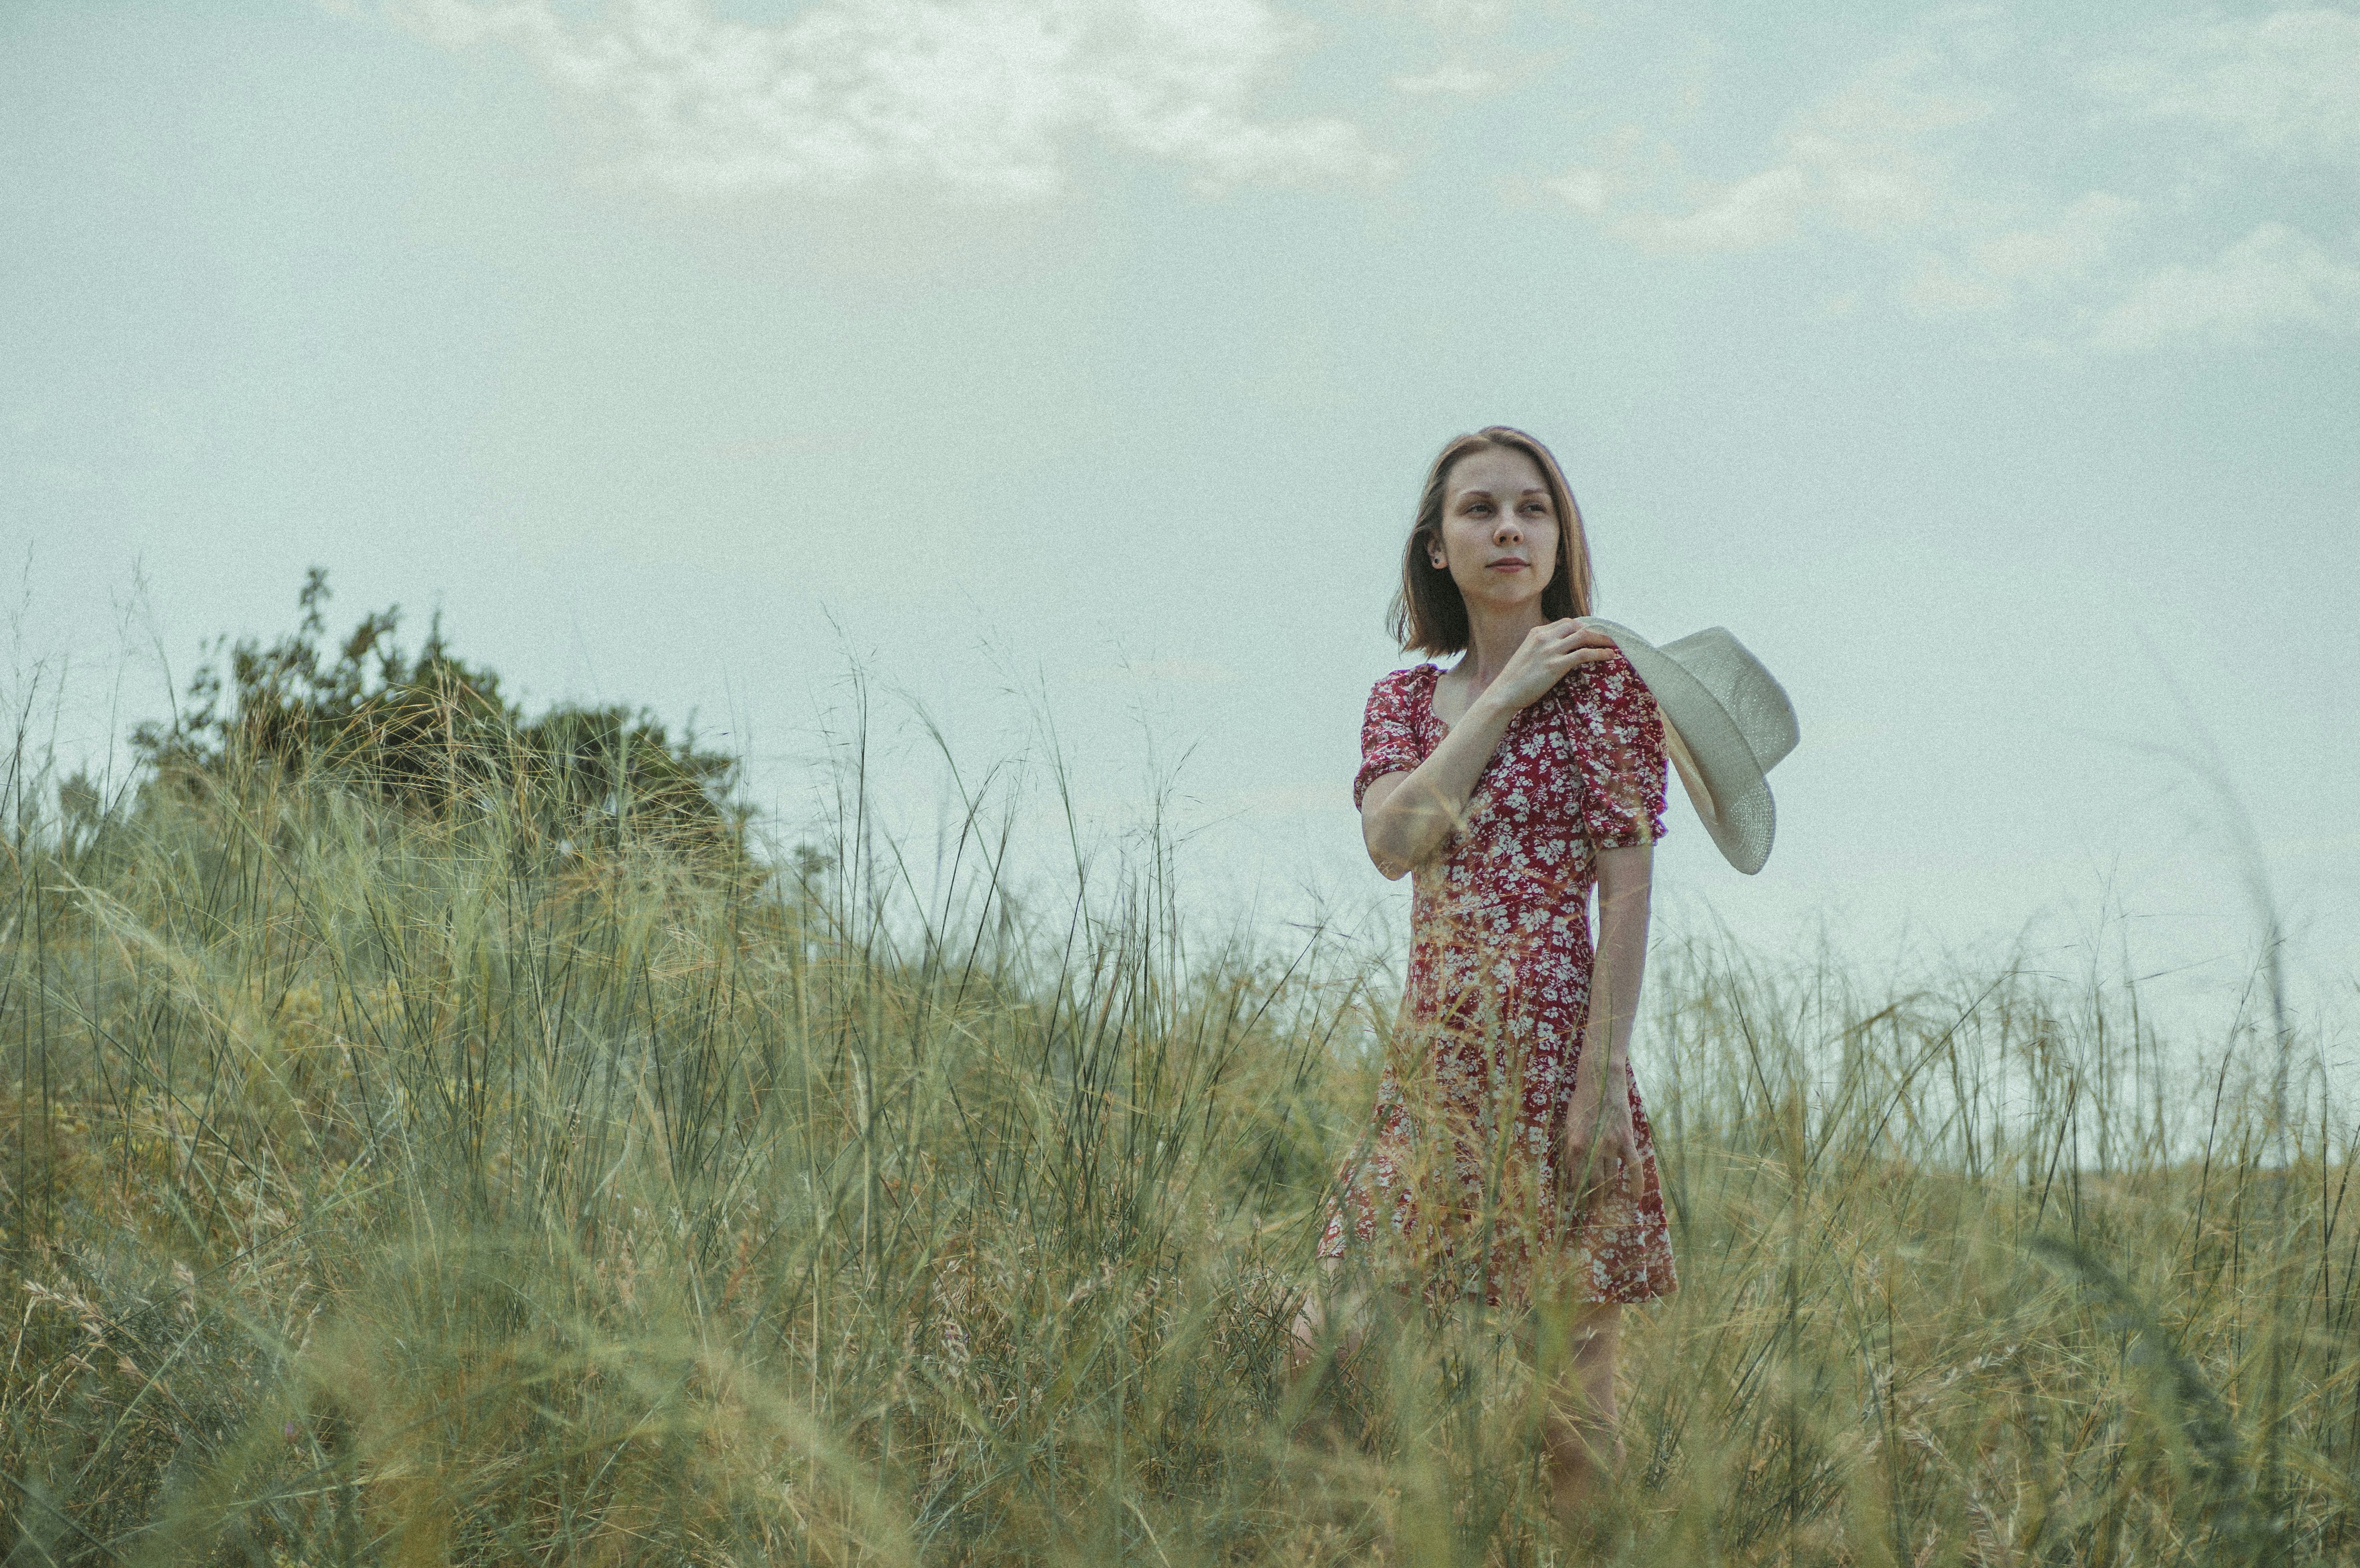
(1991, 374)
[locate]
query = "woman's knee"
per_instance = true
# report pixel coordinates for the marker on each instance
(1303, 1338)
(1596, 1334)
(1577, 1333)
(1579, 1369)
(1310, 1327)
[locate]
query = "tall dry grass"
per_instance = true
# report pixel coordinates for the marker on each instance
(380, 1189)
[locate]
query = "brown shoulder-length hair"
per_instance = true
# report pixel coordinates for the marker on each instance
(1429, 614)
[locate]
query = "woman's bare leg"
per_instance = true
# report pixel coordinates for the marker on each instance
(1311, 1323)
(1578, 1427)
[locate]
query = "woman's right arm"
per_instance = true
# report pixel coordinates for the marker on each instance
(1407, 818)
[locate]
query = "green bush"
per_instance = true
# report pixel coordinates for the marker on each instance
(432, 734)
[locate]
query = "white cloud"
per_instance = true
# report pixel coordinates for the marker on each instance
(2286, 83)
(1859, 160)
(1759, 209)
(2275, 277)
(1902, 157)
(1585, 189)
(2004, 268)
(1450, 79)
(983, 98)
(1464, 16)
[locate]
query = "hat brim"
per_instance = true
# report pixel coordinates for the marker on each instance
(1731, 797)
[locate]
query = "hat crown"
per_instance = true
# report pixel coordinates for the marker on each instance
(1749, 693)
(1727, 724)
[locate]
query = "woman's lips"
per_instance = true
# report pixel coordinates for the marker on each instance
(1508, 565)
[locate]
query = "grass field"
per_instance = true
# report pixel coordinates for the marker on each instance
(378, 1190)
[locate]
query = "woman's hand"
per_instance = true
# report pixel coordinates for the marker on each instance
(1542, 660)
(1601, 1147)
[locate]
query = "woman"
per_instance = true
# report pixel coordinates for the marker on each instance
(1510, 1160)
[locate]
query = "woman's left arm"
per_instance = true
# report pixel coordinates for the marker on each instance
(1625, 889)
(1601, 1142)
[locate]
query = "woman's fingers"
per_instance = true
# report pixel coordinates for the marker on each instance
(1595, 646)
(1576, 659)
(1610, 1163)
(1593, 1169)
(1573, 643)
(1549, 652)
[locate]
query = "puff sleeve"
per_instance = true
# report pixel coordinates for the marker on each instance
(1618, 744)
(1388, 732)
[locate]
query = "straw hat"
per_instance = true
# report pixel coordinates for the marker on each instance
(1726, 723)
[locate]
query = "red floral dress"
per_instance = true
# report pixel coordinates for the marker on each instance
(1462, 1158)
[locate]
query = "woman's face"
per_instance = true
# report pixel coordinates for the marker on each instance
(1499, 529)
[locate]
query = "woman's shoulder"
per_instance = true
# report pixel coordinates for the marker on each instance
(1407, 679)
(1403, 689)
(1607, 695)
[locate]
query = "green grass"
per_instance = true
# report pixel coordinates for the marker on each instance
(387, 1191)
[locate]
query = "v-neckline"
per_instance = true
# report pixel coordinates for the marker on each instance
(1433, 684)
